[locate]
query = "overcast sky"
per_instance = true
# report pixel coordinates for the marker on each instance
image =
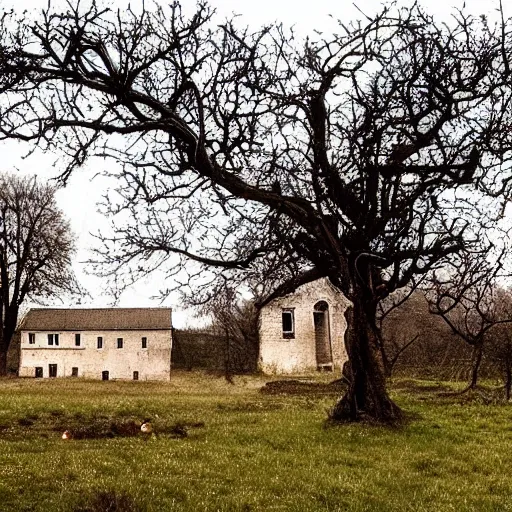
(78, 199)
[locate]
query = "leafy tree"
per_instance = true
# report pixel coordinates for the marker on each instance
(358, 155)
(36, 245)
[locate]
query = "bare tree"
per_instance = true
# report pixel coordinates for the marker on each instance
(467, 298)
(358, 155)
(36, 245)
(395, 337)
(499, 344)
(414, 340)
(236, 321)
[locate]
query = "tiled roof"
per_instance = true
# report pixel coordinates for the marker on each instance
(105, 319)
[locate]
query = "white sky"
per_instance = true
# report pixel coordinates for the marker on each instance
(78, 199)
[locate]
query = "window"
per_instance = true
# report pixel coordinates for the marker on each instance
(119, 342)
(135, 375)
(74, 371)
(52, 370)
(31, 338)
(144, 342)
(53, 339)
(77, 339)
(99, 343)
(288, 324)
(104, 375)
(39, 372)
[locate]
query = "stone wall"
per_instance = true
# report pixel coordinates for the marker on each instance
(280, 354)
(151, 363)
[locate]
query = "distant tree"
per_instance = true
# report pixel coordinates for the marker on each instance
(467, 297)
(235, 320)
(397, 336)
(358, 156)
(499, 343)
(36, 245)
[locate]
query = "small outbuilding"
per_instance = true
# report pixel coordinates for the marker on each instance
(107, 343)
(304, 330)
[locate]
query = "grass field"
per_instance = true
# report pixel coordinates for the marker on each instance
(245, 450)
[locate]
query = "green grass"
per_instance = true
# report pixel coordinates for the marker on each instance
(255, 452)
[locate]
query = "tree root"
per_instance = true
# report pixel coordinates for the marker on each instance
(386, 413)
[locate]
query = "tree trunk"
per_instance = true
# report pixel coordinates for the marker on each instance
(228, 375)
(366, 398)
(4, 347)
(6, 334)
(3, 362)
(477, 360)
(508, 380)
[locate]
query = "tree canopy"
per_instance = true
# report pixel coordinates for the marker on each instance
(370, 155)
(36, 246)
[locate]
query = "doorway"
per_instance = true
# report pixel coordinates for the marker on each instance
(104, 375)
(52, 370)
(322, 336)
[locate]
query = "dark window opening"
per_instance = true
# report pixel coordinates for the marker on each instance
(288, 324)
(104, 375)
(52, 370)
(53, 339)
(39, 372)
(119, 342)
(77, 339)
(135, 375)
(100, 342)
(74, 371)
(144, 342)
(31, 338)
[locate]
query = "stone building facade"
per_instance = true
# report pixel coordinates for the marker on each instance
(108, 343)
(304, 330)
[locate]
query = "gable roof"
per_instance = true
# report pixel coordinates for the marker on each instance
(104, 319)
(299, 285)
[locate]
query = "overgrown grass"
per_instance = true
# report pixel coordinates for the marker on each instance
(255, 451)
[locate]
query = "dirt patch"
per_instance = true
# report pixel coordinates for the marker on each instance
(414, 386)
(99, 429)
(79, 426)
(436, 392)
(303, 387)
(263, 405)
(180, 430)
(478, 396)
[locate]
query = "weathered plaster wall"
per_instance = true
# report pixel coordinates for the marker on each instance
(152, 363)
(280, 355)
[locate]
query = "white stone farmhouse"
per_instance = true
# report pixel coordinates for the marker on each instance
(304, 330)
(108, 343)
